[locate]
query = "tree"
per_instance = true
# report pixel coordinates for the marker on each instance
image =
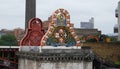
(8, 40)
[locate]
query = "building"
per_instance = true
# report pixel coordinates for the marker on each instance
(2, 33)
(116, 28)
(117, 15)
(86, 32)
(88, 25)
(6, 31)
(46, 23)
(18, 32)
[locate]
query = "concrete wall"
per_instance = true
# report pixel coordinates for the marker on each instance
(48, 57)
(33, 64)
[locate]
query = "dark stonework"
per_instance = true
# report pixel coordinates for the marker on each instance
(30, 11)
(59, 55)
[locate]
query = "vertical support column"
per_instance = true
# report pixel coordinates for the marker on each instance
(30, 11)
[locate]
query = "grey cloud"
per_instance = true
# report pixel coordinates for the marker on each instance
(13, 11)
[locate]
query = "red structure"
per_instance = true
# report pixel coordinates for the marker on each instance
(8, 58)
(34, 33)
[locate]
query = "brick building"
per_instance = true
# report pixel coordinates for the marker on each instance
(17, 32)
(86, 32)
(79, 31)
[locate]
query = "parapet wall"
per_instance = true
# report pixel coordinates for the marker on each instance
(33, 64)
(55, 58)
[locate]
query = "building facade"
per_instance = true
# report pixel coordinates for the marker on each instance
(116, 28)
(18, 32)
(2, 33)
(79, 31)
(88, 25)
(86, 32)
(117, 14)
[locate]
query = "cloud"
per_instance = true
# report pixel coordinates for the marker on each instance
(12, 12)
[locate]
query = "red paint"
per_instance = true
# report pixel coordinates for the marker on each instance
(34, 33)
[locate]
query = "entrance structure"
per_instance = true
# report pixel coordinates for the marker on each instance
(34, 33)
(60, 31)
(60, 48)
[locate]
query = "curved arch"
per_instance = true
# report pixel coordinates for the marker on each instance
(57, 12)
(54, 24)
(34, 33)
(94, 37)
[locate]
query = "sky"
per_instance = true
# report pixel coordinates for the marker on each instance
(12, 12)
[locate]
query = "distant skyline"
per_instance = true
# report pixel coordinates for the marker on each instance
(12, 13)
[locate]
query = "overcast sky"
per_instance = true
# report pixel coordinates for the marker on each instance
(12, 12)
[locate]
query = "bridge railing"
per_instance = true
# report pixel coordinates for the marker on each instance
(9, 64)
